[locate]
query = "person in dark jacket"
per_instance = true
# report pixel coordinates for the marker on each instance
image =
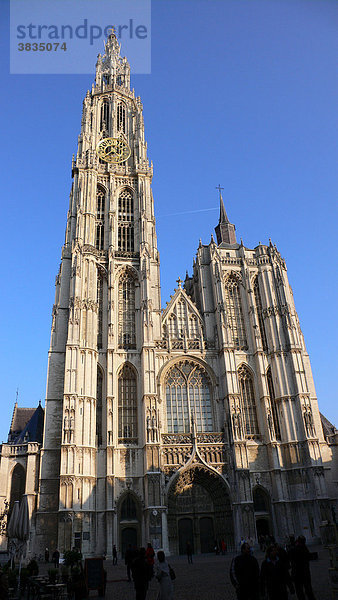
(141, 574)
(300, 569)
(275, 578)
(128, 559)
(244, 574)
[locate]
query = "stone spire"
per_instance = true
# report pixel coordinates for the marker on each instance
(225, 231)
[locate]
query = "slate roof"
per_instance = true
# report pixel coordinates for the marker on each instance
(328, 428)
(27, 425)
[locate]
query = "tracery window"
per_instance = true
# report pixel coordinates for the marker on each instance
(275, 416)
(188, 395)
(104, 123)
(249, 412)
(128, 509)
(121, 118)
(127, 405)
(235, 313)
(126, 222)
(126, 311)
(99, 392)
(100, 207)
(258, 301)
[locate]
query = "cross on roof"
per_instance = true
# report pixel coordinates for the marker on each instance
(179, 281)
(219, 188)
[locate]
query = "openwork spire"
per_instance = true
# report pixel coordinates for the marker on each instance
(225, 231)
(111, 68)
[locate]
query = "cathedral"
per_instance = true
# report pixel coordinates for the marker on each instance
(194, 423)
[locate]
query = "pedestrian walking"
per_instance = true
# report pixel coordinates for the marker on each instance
(114, 555)
(150, 555)
(275, 579)
(244, 574)
(189, 553)
(46, 555)
(300, 569)
(56, 558)
(141, 574)
(128, 559)
(162, 574)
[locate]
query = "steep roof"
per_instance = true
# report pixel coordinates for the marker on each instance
(27, 425)
(328, 428)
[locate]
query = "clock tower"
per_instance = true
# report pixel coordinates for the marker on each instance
(105, 319)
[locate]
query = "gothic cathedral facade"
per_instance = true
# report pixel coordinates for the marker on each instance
(197, 423)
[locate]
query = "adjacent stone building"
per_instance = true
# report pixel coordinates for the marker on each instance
(196, 423)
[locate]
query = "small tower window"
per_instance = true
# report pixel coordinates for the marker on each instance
(126, 222)
(246, 387)
(99, 391)
(259, 308)
(126, 311)
(235, 312)
(104, 125)
(100, 309)
(100, 208)
(121, 118)
(127, 405)
(275, 416)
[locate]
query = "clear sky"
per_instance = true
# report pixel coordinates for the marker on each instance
(241, 93)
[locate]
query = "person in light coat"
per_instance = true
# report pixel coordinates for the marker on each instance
(166, 591)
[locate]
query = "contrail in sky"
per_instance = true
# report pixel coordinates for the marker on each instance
(188, 212)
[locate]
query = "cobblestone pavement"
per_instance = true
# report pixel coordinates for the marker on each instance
(206, 579)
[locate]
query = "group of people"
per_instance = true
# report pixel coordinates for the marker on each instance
(141, 568)
(282, 571)
(55, 557)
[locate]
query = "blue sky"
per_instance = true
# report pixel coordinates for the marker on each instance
(241, 93)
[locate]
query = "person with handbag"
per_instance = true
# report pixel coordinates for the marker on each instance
(164, 575)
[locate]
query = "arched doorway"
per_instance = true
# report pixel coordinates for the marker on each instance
(199, 511)
(262, 508)
(129, 520)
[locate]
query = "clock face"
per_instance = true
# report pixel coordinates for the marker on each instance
(113, 150)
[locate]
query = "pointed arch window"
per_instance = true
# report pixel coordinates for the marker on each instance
(104, 122)
(188, 395)
(235, 313)
(274, 410)
(99, 394)
(127, 405)
(121, 118)
(126, 311)
(100, 209)
(128, 509)
(18, 484)
(126, 222)
(259, 308)
(249, 411)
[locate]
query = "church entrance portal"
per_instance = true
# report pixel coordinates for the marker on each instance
(199, 512)
(128, 536)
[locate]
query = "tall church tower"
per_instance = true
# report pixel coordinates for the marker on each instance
(195, 424)
(106, 314)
